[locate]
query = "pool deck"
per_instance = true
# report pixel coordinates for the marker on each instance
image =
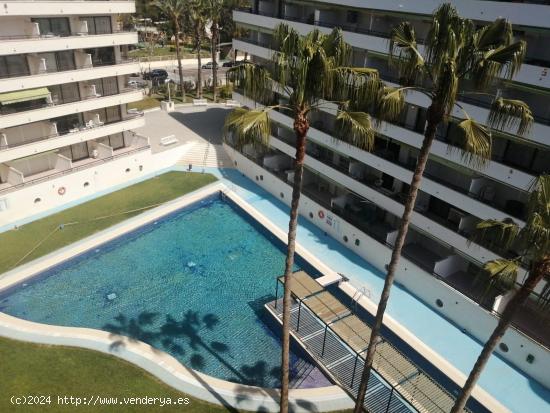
(451, 348)
(503, 387)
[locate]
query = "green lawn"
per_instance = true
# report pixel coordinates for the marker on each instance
(35, 369)
(16, 243)
(153, 101)
(186, 52)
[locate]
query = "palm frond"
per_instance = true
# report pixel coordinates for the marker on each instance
(254, 80)
(356, 129)
(447, 85)
(360, 85)
(390, 104)
(247, 127)
(502, 61)
(535, 235)
(493, 232)
(510, 113)
(494, 35)
(445, 38)
(476, 142)
(404, 52)
(502, 273)
(336, 47)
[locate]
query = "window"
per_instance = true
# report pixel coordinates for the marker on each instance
(11, 66)
(66, 93)
(102, 56)
(66, 123)
(352, 16)
(65, 60)
(99, 24)
(57, 26)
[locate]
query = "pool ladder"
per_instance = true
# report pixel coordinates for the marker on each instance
(362, 292)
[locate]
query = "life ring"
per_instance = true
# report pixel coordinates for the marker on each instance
(61, 191)
(321, 214)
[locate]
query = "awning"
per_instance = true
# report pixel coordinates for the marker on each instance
(24, 95)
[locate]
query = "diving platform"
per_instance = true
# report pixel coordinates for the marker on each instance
(337, 340)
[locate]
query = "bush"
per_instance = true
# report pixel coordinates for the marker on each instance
(226, 91)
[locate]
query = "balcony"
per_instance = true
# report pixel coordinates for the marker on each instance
(539, 131)
(32, 44)
(83, 73)
(71, 136)
(450, 269)
(63, 7)
(46, 111)
(59, 165)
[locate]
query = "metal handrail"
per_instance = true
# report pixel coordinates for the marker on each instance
(328, 327)
(62, 35)
(71, 170)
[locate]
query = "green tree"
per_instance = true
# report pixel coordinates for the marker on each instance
(174, 11)
(311, 71)
(455, 50)
(533, 242)
(197, 14)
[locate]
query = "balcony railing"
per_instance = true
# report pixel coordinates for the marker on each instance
(60, 35)
(478, 296)
(80, 128)
(72, 170)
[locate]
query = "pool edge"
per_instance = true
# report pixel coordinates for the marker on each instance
(157, 362)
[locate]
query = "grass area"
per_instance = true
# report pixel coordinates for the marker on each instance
(153, 101)
(35, 369)
(186, 52)
(168, 186)
(148, 102)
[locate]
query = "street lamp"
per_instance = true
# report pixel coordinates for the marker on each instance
(167, 83)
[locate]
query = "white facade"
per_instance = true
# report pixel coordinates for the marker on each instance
(365, 191)
(63, 96)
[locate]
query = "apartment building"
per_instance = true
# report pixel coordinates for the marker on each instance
(357, 196)
(65, 131)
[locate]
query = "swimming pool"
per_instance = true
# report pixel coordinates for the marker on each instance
(192, 284)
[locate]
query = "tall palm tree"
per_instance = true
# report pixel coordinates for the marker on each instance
(311, 71)
(197, 15)
(454, 51)
(174, 10)
(215, 10)
(533, 240)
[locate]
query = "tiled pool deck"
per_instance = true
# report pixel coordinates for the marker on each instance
(509, 386)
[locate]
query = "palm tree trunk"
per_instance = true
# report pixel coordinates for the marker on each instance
(198, 39)
(178, 56)
(435, 116)
(214, 29)
(539, 271)
(301, 126)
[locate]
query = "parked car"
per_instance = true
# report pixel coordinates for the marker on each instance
(230, 63)
(209, 65)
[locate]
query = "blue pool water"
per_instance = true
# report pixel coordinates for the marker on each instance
(192, 284)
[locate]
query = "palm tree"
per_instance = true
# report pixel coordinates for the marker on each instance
(533, 240)
(215, 9)
(311, 71)
(174, 10)
(454, 51)
(197, 14)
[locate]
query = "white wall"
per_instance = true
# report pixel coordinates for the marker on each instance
(61, 8)
(458, 308)
(21, 202)
(65, 43)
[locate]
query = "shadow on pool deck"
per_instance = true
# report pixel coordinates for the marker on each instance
(207, 124)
